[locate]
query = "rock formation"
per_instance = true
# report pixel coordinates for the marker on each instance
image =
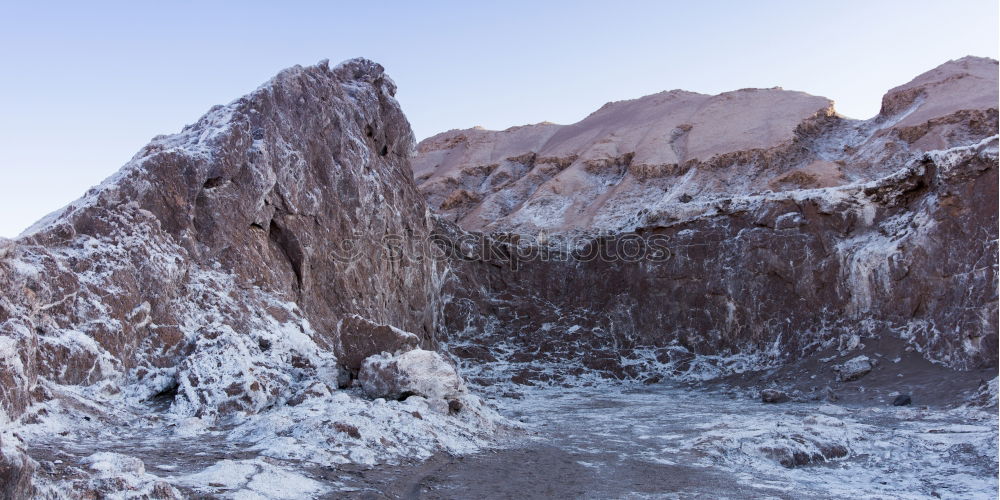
(275, 282)
(790, 232)
(676, 151)
(222, 238)
(413, 373)
(226, 269)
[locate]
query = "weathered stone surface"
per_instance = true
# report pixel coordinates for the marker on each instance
(553, 177)
(986, 393)
(884, 240)
(808, 453)
(117, 475)
(854, 368)
(630, 159)
(412, 373)
(218, 241)
(773, 396)
(361, 338)
(16, 470)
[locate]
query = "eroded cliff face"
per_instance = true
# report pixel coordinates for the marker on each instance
(792, 234)
(268, 292)
(233, 269)
(230, 226)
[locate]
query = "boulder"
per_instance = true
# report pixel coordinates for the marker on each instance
(361, 338)
(412, 373)
(773, 396)
(902, 400)
(115, 475)
(793, 453)
(854, 368)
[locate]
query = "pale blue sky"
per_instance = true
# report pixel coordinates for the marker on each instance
(86, 84)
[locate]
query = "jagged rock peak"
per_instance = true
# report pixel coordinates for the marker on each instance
(960, 84)
(222, 236)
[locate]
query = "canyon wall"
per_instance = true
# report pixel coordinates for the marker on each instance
(248, 268)
(791, 231)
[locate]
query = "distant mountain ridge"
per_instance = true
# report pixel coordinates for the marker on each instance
(660, 152)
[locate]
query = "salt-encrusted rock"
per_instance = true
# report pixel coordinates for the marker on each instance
(221, 259)
(207, 278)
(5, 245)
(810, 228)
(791, 454)
(361, 338)
(16, 469)
(986, 393)
(790, 441)
(115, 463)
(830, 409)
(854, 368)
(413, 373)
(773, 396)
(560, 177)
(123, 476)
(672, 148)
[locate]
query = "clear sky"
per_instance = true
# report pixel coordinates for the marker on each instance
(86, 84)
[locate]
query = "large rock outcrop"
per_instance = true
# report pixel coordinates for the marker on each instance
(214, 240)
(239, 271)
(782, 232)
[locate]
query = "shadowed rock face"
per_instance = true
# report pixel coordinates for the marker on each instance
(228, 273)
(884, 230)
(221, 238)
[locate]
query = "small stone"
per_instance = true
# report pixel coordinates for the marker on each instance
(264, 344)
(854, 368)
(902, 400)
(350, 430)
(773, 396)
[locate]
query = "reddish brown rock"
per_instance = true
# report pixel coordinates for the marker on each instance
(223, 239)
(849, 228)
(655, 153)
(361, 338)
(16, 470)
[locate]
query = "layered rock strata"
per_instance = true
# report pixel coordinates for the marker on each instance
(788, 231)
